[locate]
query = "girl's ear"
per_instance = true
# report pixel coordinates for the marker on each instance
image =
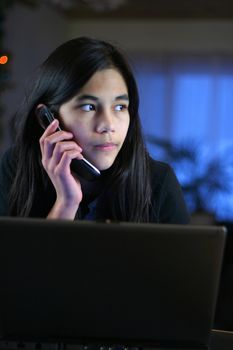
(39, 106)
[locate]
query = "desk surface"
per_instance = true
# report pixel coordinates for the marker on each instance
(221, 340)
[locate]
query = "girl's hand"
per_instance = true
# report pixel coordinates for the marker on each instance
(58, 149)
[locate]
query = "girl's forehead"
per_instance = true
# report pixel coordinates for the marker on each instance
(110, 76)
(103, 84)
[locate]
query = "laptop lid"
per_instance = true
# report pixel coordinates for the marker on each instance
(117, 283)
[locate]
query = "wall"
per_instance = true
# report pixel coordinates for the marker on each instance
(32, 33)
(161, 36)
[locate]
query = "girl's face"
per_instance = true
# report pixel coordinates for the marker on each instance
(98, 117)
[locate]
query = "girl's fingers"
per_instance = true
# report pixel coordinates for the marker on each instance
(51, 137)
(50, 129)
(66, 160)
(45, 145)
(58, 149)
(67, 148)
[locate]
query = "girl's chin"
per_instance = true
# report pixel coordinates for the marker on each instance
(104, 165)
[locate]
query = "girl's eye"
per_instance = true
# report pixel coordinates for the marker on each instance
(120, 107)
(88, 107)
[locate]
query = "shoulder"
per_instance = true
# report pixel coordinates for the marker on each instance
(159, 171)
(163, 179)
(167, 194)
(158, 166)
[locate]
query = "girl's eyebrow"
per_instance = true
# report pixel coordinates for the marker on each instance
(87, 97)
(94, 98)
(122, 97)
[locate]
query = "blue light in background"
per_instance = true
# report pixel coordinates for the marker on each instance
(193, 110)
(152, 92)
(191, 103)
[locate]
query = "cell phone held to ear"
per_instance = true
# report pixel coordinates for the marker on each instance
(82, 167)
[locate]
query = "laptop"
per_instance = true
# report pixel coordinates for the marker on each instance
(80, 282)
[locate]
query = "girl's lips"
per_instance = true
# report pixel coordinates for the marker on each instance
(106, 146)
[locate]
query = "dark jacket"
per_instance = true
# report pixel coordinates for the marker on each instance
(168, 204)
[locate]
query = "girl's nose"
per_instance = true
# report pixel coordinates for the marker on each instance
(105, 122)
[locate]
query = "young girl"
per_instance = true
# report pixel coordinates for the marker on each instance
(90, 90)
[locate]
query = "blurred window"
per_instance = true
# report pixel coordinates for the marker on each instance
(187, 100)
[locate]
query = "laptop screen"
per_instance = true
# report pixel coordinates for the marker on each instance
(109, 283)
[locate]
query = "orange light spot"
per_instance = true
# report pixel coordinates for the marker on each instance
(3, 59)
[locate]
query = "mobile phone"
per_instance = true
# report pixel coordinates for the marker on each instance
(81, 167)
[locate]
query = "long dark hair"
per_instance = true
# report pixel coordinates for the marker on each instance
(57, 80)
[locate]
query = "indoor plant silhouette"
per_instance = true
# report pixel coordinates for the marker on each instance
(203, 178)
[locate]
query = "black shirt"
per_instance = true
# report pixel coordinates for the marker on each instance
(168, 205)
